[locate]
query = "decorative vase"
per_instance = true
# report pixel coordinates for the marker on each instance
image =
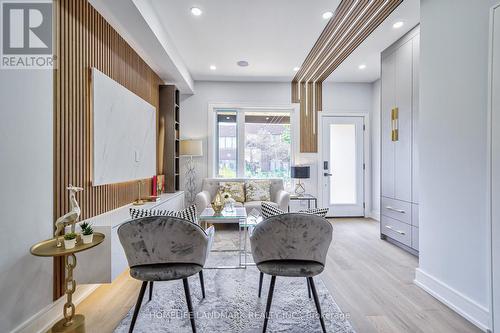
(218, 205)
(229, 205)
(87, 239)
(69, 243)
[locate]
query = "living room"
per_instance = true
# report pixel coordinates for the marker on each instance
(233, 166)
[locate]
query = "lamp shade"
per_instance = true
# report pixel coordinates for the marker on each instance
(300, 172)
(191, 148)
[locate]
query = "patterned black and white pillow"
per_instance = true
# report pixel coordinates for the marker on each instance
(136, 213)
(315, 211)
(189, 213)
(269, 210)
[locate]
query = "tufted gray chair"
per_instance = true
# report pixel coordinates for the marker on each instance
(163, 248)
(293, 245)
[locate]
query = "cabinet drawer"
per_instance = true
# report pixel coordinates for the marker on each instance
(396, 230)
(414, 215)
(396, 209)
(414, 238)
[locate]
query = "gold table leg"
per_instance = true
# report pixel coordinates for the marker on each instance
(70, 322)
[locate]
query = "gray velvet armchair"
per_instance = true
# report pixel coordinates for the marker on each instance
(292, 245)
(164, 248)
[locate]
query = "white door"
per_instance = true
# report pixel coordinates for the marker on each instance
(343, 165)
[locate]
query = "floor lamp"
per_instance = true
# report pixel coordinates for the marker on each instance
(191, 148)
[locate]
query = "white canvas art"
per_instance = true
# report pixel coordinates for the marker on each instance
(124, 146)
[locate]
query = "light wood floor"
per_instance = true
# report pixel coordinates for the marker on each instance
(370, 279)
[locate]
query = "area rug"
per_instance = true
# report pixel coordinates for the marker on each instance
(232, 303)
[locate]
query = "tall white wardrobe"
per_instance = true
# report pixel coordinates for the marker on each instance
(399, 135)
(495, 162)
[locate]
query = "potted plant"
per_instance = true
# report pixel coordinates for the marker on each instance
(69, 240)
(87, 232)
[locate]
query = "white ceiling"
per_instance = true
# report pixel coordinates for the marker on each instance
(274, 36)
(368, 53)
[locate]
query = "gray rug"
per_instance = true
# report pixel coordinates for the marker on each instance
(232, 305)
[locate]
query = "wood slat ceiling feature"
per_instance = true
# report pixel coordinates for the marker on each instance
(352, 22)
(83, 40)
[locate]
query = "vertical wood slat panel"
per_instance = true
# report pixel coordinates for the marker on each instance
(351, 24)
(85, 40)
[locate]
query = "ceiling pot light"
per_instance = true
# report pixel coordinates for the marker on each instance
(213, 67)
(398, 24)
(196, 11)
(242, 63)
(327, 15)
(362, 66)
(296, 69)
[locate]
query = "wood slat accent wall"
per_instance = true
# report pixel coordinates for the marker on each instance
(84, 40)
(352, 23)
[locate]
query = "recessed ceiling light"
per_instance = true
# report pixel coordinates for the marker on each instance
(296, 69)
(213, 67)
(398, 24)
(196, 11)
(327, 15)
(242, 63)
(362, 66)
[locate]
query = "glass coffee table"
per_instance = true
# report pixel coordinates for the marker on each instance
(237, 215)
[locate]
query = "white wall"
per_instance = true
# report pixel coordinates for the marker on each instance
(454, 232)
(337, 97)
(375, 150)
(26, 198)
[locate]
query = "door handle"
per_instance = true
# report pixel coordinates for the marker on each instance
(326, 174)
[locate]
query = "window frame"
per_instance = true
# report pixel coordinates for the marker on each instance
(240, 110)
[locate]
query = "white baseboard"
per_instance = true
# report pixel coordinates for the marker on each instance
(43, 320)
(463, 305)
(375, 214)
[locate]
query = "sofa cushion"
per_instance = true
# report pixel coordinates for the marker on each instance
(258, 190)
(235, 189)
(249, 205)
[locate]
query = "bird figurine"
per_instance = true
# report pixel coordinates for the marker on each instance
(70, 217)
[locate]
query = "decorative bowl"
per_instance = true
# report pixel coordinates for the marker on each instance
(217, 208)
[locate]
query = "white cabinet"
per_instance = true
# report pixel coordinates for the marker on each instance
(399, 124)
(103, 263)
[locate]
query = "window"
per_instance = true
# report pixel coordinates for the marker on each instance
(266, 147)
(226, 144)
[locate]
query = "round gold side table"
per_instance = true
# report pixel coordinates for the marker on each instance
(48, 248)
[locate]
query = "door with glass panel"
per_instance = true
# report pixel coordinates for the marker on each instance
(342, 169)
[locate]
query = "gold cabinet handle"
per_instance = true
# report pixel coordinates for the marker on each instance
(395, 124)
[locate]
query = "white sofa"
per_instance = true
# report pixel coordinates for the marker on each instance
(279, 197)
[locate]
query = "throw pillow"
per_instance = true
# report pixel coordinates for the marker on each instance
(315, 211)
(189, 213)
(269, 210)
(258, 190)
(136, 213)
(236, 189)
